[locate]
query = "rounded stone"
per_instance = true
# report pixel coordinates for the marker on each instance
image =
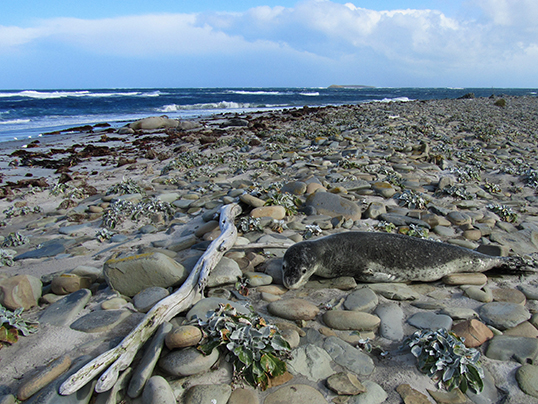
(375, 209)
(144, 300)
(114, 303)
(472, 234)
(225, 272)
(208, 393)
(527, 378)
(334, 205)
(293, 309)
(252, 200)
(295, 393)
(504, 315)
(130, 275)
(384, 189)
(258, 279)
(474, 332)
(187, 362)
(276, 212)
(351, 320)
(157, 390)
(459, 218)
(20, 291)
(391, 316)
(294, 188)
(363, 299)
(292, 337)
(244, 396)
(345, 383)
(183, 336)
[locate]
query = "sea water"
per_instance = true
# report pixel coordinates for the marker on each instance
(28, 113)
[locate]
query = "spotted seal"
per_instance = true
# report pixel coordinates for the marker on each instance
(383, 257)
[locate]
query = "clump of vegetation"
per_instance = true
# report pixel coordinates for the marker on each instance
(286, 200)
(443, 356)
(506, 213)
(12, 323)
(12, 211)
(311, 231)
(69, 191)
(15, 240)
(118, 211)
(127, 186)
(387, 227)
(247, 224)
(501, 102)
(415, 231)
(412, 199)
(492, 188)
(278, 226)
(531, 178)
(104, 234)
(255, 348)
(6, 258)
(466, 173)
(456, 192)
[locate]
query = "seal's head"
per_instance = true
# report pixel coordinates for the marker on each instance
(298, 264)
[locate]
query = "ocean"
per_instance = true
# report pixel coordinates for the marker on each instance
(29, 113)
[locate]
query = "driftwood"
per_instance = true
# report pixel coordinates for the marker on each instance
(120, 357)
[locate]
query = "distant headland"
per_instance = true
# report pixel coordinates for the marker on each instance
(349, 86)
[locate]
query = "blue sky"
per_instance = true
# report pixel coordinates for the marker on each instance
(257, 43)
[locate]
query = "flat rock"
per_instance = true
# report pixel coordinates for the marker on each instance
(66, 309)
(530, 291)
(252, 200)
(154, 122)
(20, 291)
(312, 362)
(345, 383)
(144, 369)
(49, 250)
(351, 320)
(394, 291)
(448, 397)
(363, 299)
(391, 316)
(527, 379)
(504, 315)
(509, 295)
(341, 282)
(132, 274)
(157, 390)
(187, 362)
(294, 188)
(525, 329)
(293, 309)
(51, 371)
(49, 394)
(333, 205)
(348, 356)
(275, 212)
(100, 320)
(481, 294)
(430, 321)
(206, 307)
(295, 393)
(459, 313)
(144, 300)
(374, 394)
(225, 272)
(506, 348)
(465, 279)
(411, 396)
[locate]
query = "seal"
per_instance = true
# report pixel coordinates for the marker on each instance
(383, 257)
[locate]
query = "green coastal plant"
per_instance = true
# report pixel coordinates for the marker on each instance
(15, 240)
(256, 349)
(127, 186)
(12, 323)
(506, 213)
(288, 201)
(247, 224)
(443, 356)
(6, 258)
(412, 199)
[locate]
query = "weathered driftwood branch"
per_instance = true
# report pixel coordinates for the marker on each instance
(122, 355)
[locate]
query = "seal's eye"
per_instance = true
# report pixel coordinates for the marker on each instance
(303, 271)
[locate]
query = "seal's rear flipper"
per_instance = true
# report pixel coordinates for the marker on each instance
(519, 264)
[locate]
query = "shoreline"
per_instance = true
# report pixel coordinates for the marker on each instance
(459, 171)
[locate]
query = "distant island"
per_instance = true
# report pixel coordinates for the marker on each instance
(348, 86)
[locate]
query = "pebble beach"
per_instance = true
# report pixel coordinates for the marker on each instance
(100, 223)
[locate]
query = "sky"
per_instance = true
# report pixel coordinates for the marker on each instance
(73, 44)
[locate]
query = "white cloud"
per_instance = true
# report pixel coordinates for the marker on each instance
(337, 36)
